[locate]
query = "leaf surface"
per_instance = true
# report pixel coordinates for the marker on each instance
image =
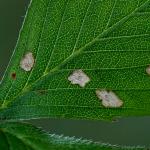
(23, 136)
(108, 40)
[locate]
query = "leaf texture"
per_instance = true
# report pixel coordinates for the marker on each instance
(108, 40)
(23, 136)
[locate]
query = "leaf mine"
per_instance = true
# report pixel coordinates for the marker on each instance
(79, 77)
(109, 99)
(148, 70)
(27, 62)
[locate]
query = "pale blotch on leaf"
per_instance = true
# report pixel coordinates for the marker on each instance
(148, 70)
(79, 77)
(27, 62)
(109, 99)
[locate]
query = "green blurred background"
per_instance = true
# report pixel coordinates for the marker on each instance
(126, 131)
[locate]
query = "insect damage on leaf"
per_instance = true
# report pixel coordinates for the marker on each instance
(148, 70)
(13, 75)
(79, 77)
(27, 62)
(109, 99)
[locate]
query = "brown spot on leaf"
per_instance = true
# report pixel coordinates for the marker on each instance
(13, 76)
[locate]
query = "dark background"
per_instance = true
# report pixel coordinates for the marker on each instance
(126, 131)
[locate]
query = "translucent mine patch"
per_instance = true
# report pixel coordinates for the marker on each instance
(109, 99)
(148, 70)
(27, 62)
(79, 77)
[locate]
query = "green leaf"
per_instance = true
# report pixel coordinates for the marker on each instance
(108, 39)
(22, 136)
